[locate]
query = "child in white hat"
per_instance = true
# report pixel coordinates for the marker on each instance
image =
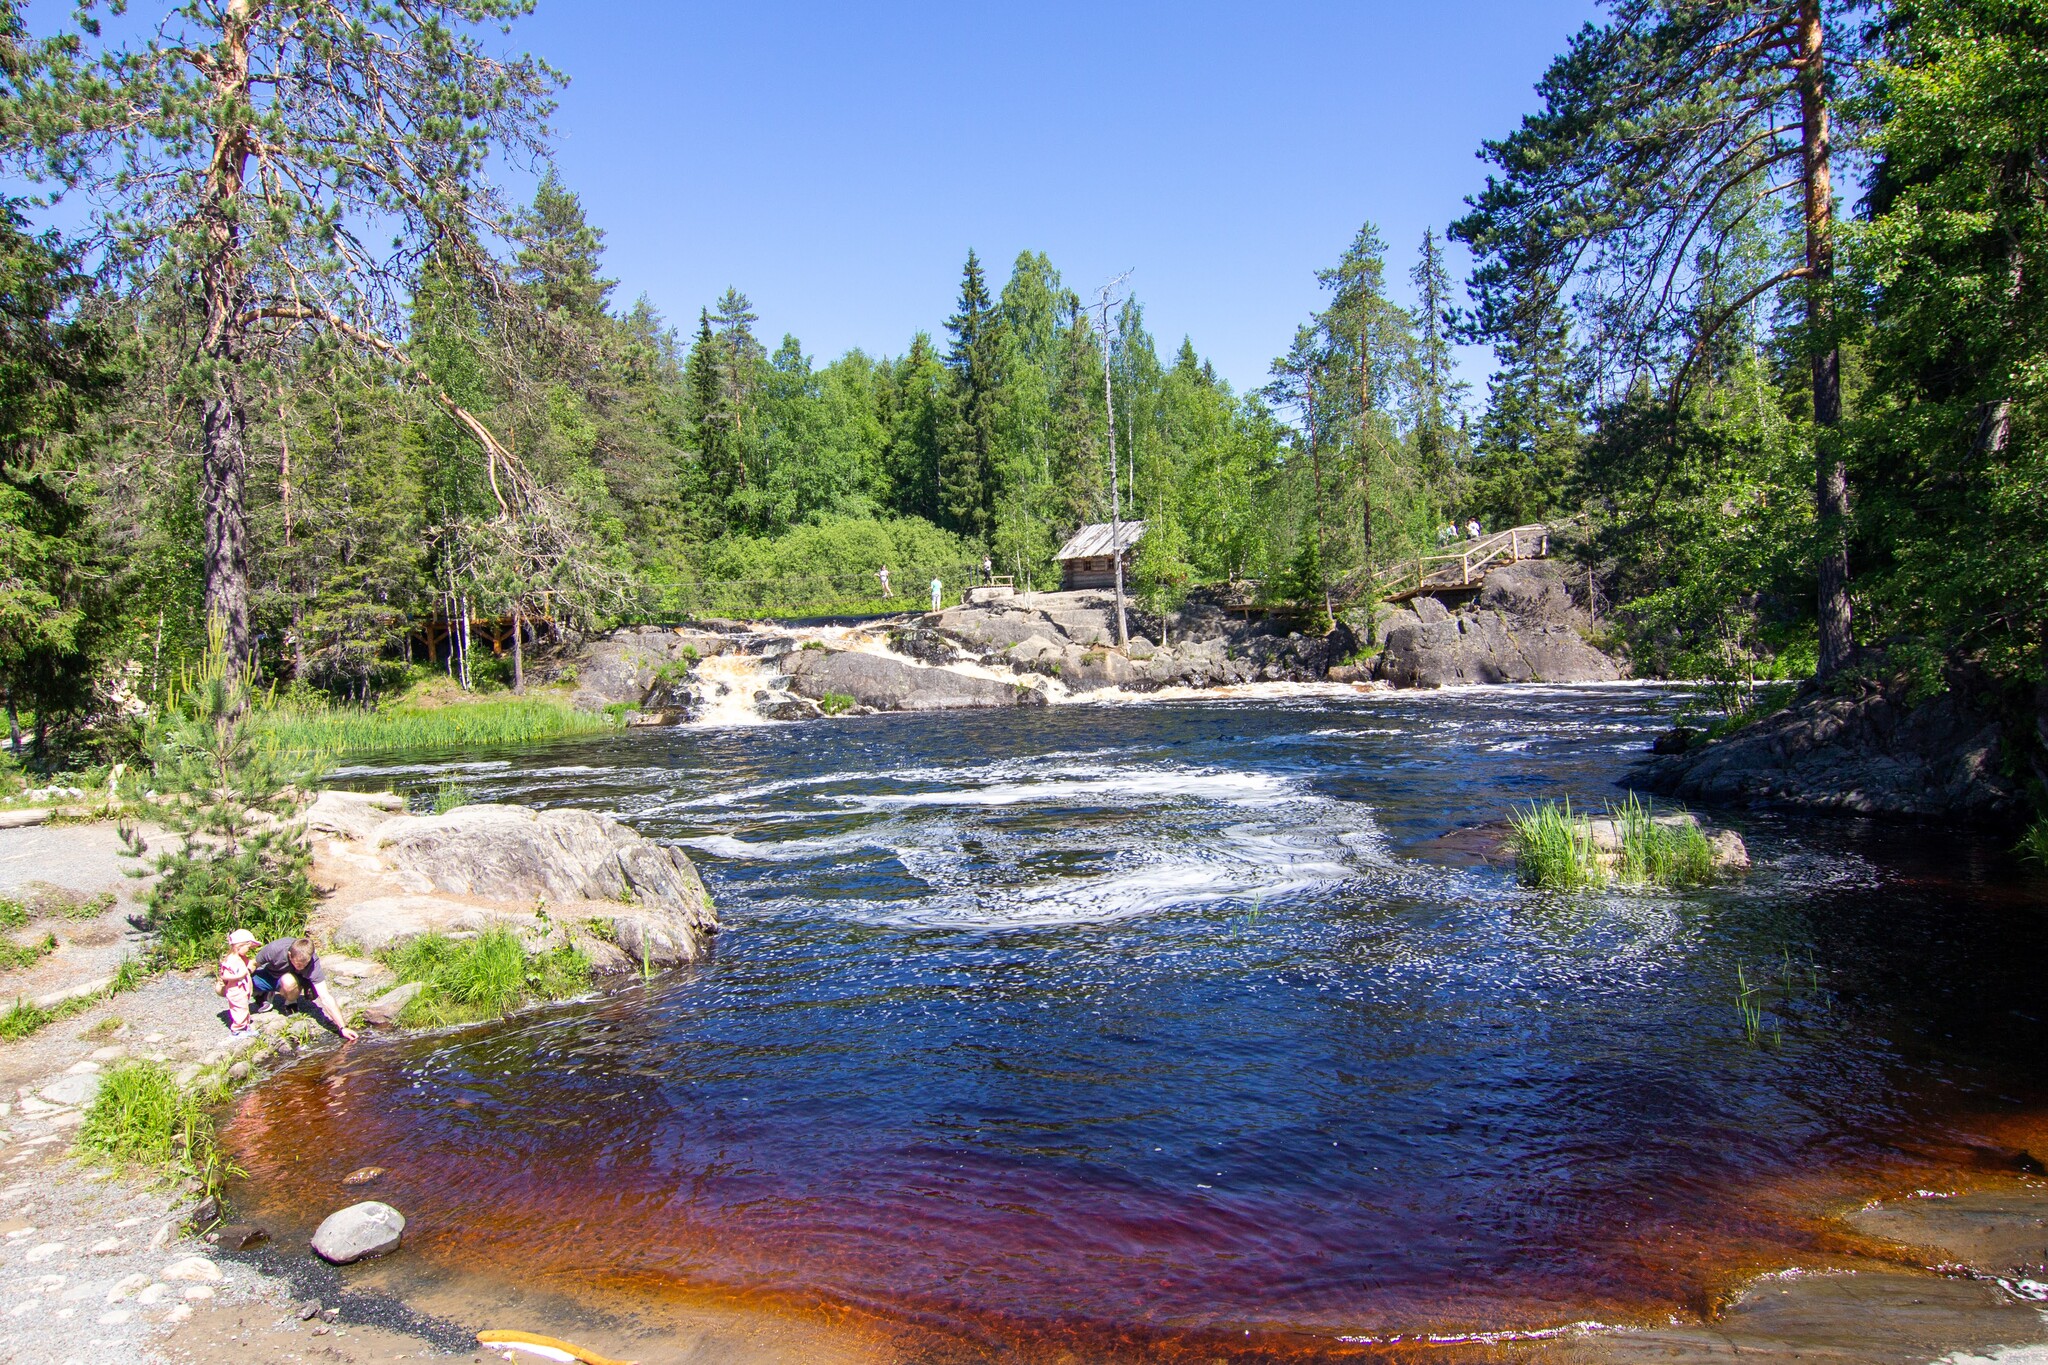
(234, 981)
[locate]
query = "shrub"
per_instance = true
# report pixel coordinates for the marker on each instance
(836, 703)
(486, 977)
(143, 1118)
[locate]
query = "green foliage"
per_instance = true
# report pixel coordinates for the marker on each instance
(24, 1017)
(142, 1118)
(836, 703)
(485, 977)
(232, 794)
(450, 795)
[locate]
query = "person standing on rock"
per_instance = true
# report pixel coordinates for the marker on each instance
(283, 970)
(883, 575)
(938, 594)
(988, 571)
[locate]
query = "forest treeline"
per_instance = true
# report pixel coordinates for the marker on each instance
(1763, 280)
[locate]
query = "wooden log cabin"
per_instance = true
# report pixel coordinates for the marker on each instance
(1085, 560)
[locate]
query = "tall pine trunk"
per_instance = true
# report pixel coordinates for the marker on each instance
(518, 651)
(224, 455)
(1831, 475)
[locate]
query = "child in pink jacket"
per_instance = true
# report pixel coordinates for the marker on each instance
(234, 981)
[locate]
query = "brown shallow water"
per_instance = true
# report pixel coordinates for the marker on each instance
(1153, 1033)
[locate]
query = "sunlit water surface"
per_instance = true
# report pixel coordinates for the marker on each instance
(1182, 1027)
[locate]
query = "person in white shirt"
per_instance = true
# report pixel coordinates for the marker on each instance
(938, 594)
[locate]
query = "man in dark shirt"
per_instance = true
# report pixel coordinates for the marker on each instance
(285, 971)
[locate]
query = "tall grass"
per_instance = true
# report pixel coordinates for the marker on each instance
(496, 721)
(1659, 855)
(486, 977)
(1554, 848)
(143, 1118)
(2033, 845)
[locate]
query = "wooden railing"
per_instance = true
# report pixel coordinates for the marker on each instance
(1465, 568)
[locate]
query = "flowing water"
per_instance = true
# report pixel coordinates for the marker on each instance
(1192, 1029)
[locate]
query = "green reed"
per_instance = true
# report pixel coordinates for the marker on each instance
(1554, 848)
(462, 725)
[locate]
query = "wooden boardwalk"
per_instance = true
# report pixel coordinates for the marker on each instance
(1466, 567)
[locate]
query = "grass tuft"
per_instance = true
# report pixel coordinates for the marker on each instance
(1554, 848)
(836, 703)
(143, 1118)
(2033, 845)
(500, 720)
(451, 794)
(14, 955)
(486, 977)
(1659, 855)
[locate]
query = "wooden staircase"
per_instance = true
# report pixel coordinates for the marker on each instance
(1466, 568)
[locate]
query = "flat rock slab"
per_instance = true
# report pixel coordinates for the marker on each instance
(359, 1231)
(78, 1089)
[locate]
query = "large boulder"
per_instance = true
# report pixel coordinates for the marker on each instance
(1864, 746)
(352, 815)
(518, 855)
(1488, 647)
(359, 1231)
(890, 685)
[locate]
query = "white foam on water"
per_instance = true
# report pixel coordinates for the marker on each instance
(740, 676)
(1209, 785)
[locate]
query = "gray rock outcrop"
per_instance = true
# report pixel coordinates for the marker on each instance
(1861, 747)
(619, 669)
(1522, 627)
(513, 853)
(359, 1231)
(888, 685)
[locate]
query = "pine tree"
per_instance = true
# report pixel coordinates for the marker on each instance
(558, 254)
(1667, 135)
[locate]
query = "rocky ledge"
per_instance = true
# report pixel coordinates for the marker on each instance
(1863, 745)
(623, 899)
(1002, 649)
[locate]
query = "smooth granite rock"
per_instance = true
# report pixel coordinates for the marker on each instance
(359, 1231)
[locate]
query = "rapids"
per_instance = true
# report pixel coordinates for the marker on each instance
(1191, 1026)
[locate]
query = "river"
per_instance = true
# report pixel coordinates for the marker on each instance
(1190, 1028)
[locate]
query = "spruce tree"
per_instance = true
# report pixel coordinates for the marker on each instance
(967, 461)
(712, 424)
(1438, 393)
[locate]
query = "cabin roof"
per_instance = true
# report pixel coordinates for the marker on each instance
(1092, 541)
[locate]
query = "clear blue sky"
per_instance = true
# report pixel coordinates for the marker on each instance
(836, 161)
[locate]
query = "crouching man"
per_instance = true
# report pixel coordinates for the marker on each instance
(285, 973)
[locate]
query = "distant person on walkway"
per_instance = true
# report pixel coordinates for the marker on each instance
(1445, 535)
(281, 974)
(988, 571)
(883, 574)
(938, 594)
(1472, 528)
(233, 984)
